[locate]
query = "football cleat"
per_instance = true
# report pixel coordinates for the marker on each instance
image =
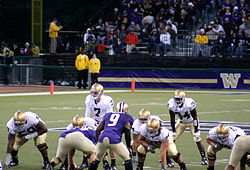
(204, 161)
(96, 91)
(179, 97)
(153, 126)
(19, 118)
(14, 162)
(144, 115)
(78, 121)
(122, 107)
(113, 168)
(63, 167)
(223, 132)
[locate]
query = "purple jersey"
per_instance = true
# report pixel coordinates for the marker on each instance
(113, 126)
(90, 134)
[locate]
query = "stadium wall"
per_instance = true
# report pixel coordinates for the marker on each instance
(176, 78)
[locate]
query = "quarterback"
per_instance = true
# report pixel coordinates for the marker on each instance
(109, 134)
(219, 137)
(22, 127)
(153, 136)
(185, 109)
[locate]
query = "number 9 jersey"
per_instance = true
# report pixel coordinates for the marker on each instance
(105, 105)
(183, 111)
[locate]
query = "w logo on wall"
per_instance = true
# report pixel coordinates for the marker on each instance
(230, 80)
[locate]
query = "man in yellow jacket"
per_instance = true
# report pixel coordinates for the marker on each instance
(201, 44)
(53, 35)
(94, 69)
(82, 65)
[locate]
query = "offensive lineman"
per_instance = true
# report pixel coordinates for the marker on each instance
(153, 136)
(144, 115)
(185, 109)
(22, 127)
(241, 146)
(99, 104)
(219, 137)
(109, 134)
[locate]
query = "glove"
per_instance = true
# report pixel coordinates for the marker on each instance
(164, 168)
(31, 136)
(8, 161)
(174, 134)
(196, 135)
(150, 149)
(134, 161)
(218, 146)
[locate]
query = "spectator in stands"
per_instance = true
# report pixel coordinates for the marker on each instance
(242, 45)
(217, 27)
(8, 60)
(245, 27)
(233, 44)
(16, 49)
(82, 65)
(118, 47)
(172, 34)
(27, 50)
(89, 41)
(154, 40)
(165, 43)
(228, 26)
(191, 12)
(53, 34)
(131, 27)
(131, 41)
(201, 44)
(35, 50)
(94, 69)
(221, 45)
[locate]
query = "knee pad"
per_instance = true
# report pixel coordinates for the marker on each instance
(176, 157)
(42, 147)
(211, 156)
(128, 164)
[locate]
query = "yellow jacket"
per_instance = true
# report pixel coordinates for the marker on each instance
(82, 62)
(202, 39)
(94, 65)
(53, 30)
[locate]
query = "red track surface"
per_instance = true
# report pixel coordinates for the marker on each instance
(4, 89)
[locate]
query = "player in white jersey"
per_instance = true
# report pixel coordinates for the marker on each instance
(99, 104)
(153, 136)
(185, 109)
(144, 115)
(89, 123)
(22, 127)
(219, 137)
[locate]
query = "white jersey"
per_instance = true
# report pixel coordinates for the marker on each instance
(29, 127)
(105, 105)
(89, 123)
(136, 127)
(234, 132)
(156, 140)
(184, 112)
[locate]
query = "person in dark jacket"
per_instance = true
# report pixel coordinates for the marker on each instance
(8, 60)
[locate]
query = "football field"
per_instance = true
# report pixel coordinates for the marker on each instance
(57, 111)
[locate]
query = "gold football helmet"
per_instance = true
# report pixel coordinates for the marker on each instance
(19, 118)
(222, 131)
(122, 107)
(248, 160)
(96, 90)
(144, 115)
(179, 97)
(78, 121)
(153, 126)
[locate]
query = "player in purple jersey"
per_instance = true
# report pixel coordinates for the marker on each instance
(109, 134)
(77, 138)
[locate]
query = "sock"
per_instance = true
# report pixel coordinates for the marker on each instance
(113, 162)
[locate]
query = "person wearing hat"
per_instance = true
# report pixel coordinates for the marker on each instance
(53, 35)
(8, 61)
(201, 42)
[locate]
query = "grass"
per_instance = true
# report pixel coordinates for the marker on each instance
(58, 110)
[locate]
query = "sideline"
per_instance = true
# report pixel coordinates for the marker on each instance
(126, 91)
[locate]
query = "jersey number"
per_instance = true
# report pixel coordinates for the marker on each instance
(29, 130)
(97, 112)
(113, 119)
(186, 115)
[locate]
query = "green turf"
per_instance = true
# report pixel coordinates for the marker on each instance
(58, 110)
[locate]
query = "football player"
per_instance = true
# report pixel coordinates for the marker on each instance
(77, 138)
(153, 136)
(143, 118)
(22, 127)
(112, 127)
(185, 109)
(99, 104)
(219, 137)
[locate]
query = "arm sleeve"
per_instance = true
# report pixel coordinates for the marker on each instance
(127, 137)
